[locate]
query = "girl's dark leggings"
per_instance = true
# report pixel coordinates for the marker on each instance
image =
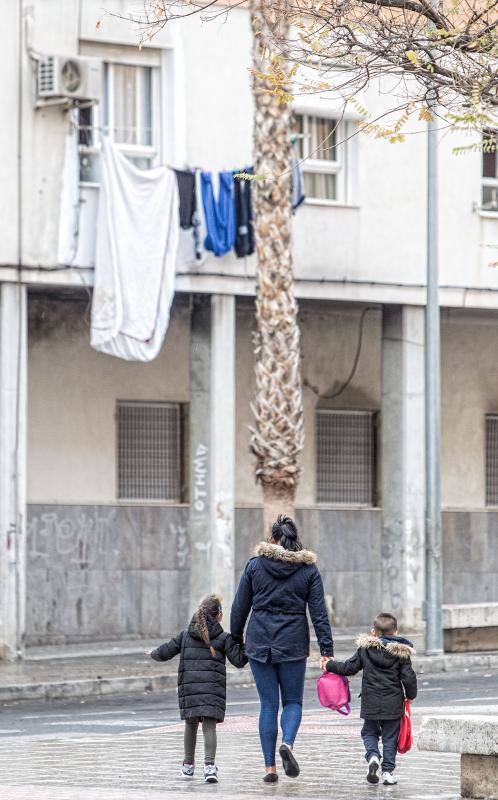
(190, 739)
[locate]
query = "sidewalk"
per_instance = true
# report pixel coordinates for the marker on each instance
(145, 766)
(119, 667)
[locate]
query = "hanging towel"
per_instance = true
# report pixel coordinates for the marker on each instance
(219, 214)
(186, 191)
(196, 219)
(70, 201)
(298, 195)
(137, 240)
(244, 241)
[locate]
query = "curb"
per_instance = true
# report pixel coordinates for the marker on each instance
(95, 687)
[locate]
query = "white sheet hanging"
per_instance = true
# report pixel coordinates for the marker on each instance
(137, 240)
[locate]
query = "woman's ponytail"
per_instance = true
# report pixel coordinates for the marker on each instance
(284, 533)
(209, 607)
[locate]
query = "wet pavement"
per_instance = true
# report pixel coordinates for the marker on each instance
(130, 748)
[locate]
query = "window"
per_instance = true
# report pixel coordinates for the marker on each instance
(127, 115)
(492, 460)
(150, 451)
(489, 200)
(345, 457)
(320, 140)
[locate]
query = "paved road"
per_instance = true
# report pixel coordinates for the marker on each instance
(129, 748)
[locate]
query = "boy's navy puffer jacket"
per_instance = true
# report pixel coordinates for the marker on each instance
(202, 678)
(278, 586)
(388, 675)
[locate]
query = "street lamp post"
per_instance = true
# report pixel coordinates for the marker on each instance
(433, 537)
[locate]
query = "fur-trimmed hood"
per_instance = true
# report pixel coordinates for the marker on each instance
(396, 646)
(281, 563)
(279, 553)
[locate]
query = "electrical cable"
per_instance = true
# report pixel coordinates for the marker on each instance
(356, 360)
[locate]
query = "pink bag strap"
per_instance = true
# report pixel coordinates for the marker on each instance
(347, 710)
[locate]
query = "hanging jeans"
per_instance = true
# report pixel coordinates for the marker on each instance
(219, 214)
(388, 730)
(272, 681)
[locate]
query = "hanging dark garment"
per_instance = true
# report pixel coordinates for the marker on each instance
(186, 191)
(244, 240)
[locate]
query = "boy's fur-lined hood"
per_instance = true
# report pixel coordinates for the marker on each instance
(279, 553)
(394, 645)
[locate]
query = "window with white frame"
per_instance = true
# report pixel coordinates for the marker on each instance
(345, 457)
(320, 144)
(128, 114)
(150, 451)
(489, 200)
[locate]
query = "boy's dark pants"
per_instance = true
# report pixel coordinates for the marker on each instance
(388, 730)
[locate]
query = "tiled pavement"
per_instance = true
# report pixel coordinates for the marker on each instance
(144, 766)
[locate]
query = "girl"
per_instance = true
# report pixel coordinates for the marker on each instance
(202, 679)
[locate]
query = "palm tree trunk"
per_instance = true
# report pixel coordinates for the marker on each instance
(277, 436)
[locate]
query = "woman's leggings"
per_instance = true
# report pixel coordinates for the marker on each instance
(272, 680)
(190, 739)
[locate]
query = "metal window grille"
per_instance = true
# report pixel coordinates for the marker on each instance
(149, 451)
(492, 460)
(345, 457)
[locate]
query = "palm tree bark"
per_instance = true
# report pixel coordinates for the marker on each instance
(277, 436)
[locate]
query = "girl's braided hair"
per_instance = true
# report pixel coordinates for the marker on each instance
(210, 606)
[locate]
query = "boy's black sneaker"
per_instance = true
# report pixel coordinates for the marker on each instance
(290, 765)
(271, 777)
(373, 768)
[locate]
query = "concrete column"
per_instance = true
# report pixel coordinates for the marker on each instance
(212, 447)
(223, 445)
(13, 374)
(403, 464)
(200, 449)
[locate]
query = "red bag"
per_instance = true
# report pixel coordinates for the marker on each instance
(405, 738)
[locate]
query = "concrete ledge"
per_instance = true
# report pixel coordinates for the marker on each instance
(479, 776)
(469, 733)
(470, 627)
(470, 615)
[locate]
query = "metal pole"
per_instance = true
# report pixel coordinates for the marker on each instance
(434, 591)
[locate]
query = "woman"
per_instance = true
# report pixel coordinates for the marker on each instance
(277, 585)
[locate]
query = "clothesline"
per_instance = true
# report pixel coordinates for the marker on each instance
(228, 217)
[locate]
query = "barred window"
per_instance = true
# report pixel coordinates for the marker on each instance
(149, 451)
(492, 460)
(345, 457)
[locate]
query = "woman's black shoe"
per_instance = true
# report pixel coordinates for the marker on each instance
(271, 777)
(291, 767)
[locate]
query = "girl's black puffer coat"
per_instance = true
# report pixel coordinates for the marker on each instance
(202, 678)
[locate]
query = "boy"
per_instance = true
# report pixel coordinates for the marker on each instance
(388, 678)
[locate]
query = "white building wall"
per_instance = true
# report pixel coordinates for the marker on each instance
(72, 393)
(207, 122)
(469, 392)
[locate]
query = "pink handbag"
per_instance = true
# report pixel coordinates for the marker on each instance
(333, 692)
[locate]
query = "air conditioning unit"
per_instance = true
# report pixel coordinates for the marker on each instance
(62, 79)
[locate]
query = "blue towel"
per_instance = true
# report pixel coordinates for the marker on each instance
(220, 214)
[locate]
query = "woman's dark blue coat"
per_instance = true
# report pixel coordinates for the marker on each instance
(277, 586)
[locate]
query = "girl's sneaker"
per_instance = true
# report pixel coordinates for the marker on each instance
(187, 770)
(211, 773)
(388, 779)
(373, 768)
